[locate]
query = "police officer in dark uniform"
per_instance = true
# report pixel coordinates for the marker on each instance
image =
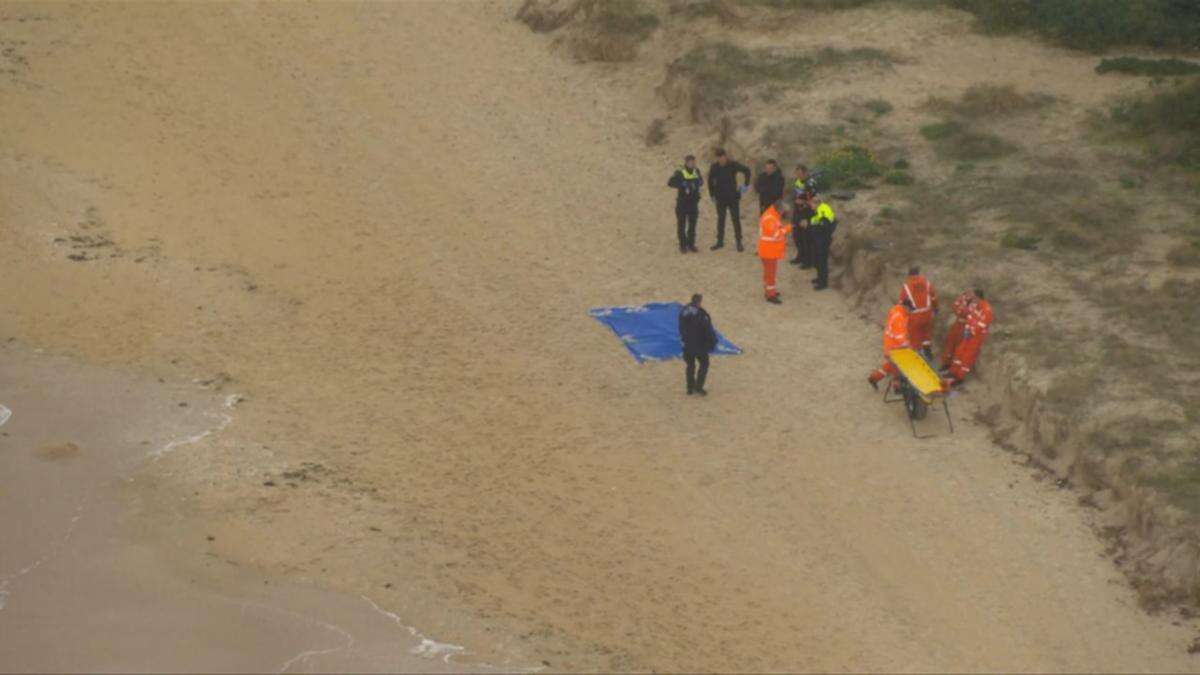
(699, 339)
(823, 224)
(769, 185)
(687, 182)
(804, 189)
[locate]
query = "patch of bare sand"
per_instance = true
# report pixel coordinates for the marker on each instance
(386, 222)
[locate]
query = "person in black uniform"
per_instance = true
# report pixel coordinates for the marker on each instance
(804, 189)
(687, 181)
(726, 193)
(769, 185)
(699, 339)
(823, 224)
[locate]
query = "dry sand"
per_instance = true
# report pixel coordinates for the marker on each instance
(383, 224)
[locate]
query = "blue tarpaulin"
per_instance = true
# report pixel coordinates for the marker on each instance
(651, 332)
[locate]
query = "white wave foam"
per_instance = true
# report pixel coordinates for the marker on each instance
(223, 421)
(427, 648)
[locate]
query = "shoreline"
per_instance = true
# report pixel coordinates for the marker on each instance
(79, 561)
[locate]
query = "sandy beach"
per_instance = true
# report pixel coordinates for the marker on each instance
(360, 241)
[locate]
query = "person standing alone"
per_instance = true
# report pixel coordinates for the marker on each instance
(726, 193)
(769, 185)
(699, 339)
(687, 182)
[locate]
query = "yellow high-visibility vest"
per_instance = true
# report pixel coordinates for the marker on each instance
(825, 213)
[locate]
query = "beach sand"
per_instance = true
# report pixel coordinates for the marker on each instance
(381, 226)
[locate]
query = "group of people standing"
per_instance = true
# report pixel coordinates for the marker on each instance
(799, 210)
(910, 325)
(812, 221)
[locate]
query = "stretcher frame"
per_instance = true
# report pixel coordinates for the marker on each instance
(899, 380)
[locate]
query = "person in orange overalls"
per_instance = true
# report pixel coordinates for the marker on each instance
(895, 336)
(772, 247)
(974, 334)
(962, 311)
(918, 291)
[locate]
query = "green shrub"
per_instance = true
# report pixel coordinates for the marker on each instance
(1132, 65)
(832, 56)
(1170, 309)
(1172, 116)
(1093, 24)
(612, 30)
(976, 146)
(718, 72)
(951, 139)
(627, 17)
(879, 106)
(1013, 238)
(990, 100)
(792, 5)
(897, 177)
(1185, 255)
(849, 167)
(941, 130)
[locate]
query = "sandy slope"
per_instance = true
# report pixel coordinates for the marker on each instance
(386, 223)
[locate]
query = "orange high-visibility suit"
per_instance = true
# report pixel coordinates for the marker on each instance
(772, 247)
(974, 334)
(962, 310)
(921, 294)
(895, 336)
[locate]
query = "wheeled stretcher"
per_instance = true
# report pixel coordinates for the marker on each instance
(917, 385)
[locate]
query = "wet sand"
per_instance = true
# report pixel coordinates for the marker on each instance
(84, 588)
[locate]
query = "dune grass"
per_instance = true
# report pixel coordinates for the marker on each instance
(1132, 65)
(1168, 121)
(990, 101)
(1093, 25)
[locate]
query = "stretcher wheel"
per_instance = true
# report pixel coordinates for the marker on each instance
(917, 408)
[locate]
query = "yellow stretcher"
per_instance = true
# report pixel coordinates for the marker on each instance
(917, 385)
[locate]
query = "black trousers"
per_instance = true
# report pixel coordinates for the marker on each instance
(696, 380)
(822, 236)
(802, 235)
(685, 223)
(802, 239)
(734, 209)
